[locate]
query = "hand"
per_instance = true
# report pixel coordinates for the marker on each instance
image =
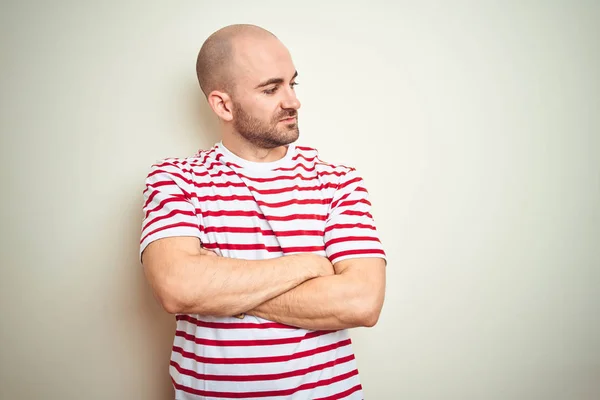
(318, 265)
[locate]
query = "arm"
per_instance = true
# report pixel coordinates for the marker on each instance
(351, 298)
(188, 279)
(354, 295)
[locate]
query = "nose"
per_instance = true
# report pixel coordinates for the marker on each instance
(290, 101)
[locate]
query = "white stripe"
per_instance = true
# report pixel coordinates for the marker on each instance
(305, 344)
(335, 388)
(279, 384)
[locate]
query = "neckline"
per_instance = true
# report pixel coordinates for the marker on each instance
(230, 157)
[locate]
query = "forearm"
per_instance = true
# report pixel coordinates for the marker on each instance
(221, 286)
(325, 303)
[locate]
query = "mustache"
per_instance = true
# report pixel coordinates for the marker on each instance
(287, 114)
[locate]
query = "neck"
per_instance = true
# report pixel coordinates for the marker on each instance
(248, 151)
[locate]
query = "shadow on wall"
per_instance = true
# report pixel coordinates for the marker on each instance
(125, 332)
(205, 121)
(151, 321)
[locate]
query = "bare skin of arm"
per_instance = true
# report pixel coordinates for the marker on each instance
(351, 298)
(189, 279)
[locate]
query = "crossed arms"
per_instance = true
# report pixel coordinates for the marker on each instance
(303, 290)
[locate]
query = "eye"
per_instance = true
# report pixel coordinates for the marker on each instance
(293, 84)
(271, 91)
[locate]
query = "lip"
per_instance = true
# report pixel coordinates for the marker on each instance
(288, 120)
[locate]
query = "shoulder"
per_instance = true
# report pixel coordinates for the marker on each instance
(312, 153)
(327, 166)
(186, 165)
(179, 171)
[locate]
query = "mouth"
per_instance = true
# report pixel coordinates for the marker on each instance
(289, 120)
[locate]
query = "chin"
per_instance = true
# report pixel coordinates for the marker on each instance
(292, 136)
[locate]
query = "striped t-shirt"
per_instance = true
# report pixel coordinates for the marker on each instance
(252, 210)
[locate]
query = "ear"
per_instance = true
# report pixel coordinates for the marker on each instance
(221, 104)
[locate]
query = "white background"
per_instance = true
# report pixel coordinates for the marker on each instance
(475, 125)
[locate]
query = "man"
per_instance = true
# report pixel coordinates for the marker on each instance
(266, 254)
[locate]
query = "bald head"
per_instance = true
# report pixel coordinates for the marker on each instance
(216, 60)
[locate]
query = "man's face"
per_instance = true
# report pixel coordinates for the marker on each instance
(265, 107)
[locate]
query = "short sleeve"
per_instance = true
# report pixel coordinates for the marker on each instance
(350, 230)
(168, 209)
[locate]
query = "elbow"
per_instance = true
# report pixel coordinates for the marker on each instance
(368, 313)
(173, 306)
(175, 296)
(185, 299)
(173, 300)
(168, 290)
(369, 317)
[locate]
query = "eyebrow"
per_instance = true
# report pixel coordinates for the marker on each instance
(272, 81)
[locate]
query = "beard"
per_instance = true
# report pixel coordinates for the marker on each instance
(265, 135)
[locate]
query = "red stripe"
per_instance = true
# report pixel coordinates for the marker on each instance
(207, 153)
(343, 394)
(234, 229)
(270, 393)
(351, 239)
(250, 342)
(354, 252)
(260, 202)
(350, 182)
(233, 213)
(150, 198)
(264, 377)
(264, 191)
(351, 169)
(349, 226)
(291, 177)
(305, 148)
(212, 184)
(297, 166)
(294, 201)
(248, 246)
(357, 213)
(299, 233)
(263, 180)
(169, 215)
(230, 164)
(300, 155)
(354, 202)
(238, 184)
(158, 171)
(174, 198)
(171, 174)
(261, 360)
(344, 197)
(167, 163)
(268, 232)
(190, 170)
(162, 228)
(193, 172)
(159, 184)
(210, 165)
(261, 246)
(302, 249)
(232, 325)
